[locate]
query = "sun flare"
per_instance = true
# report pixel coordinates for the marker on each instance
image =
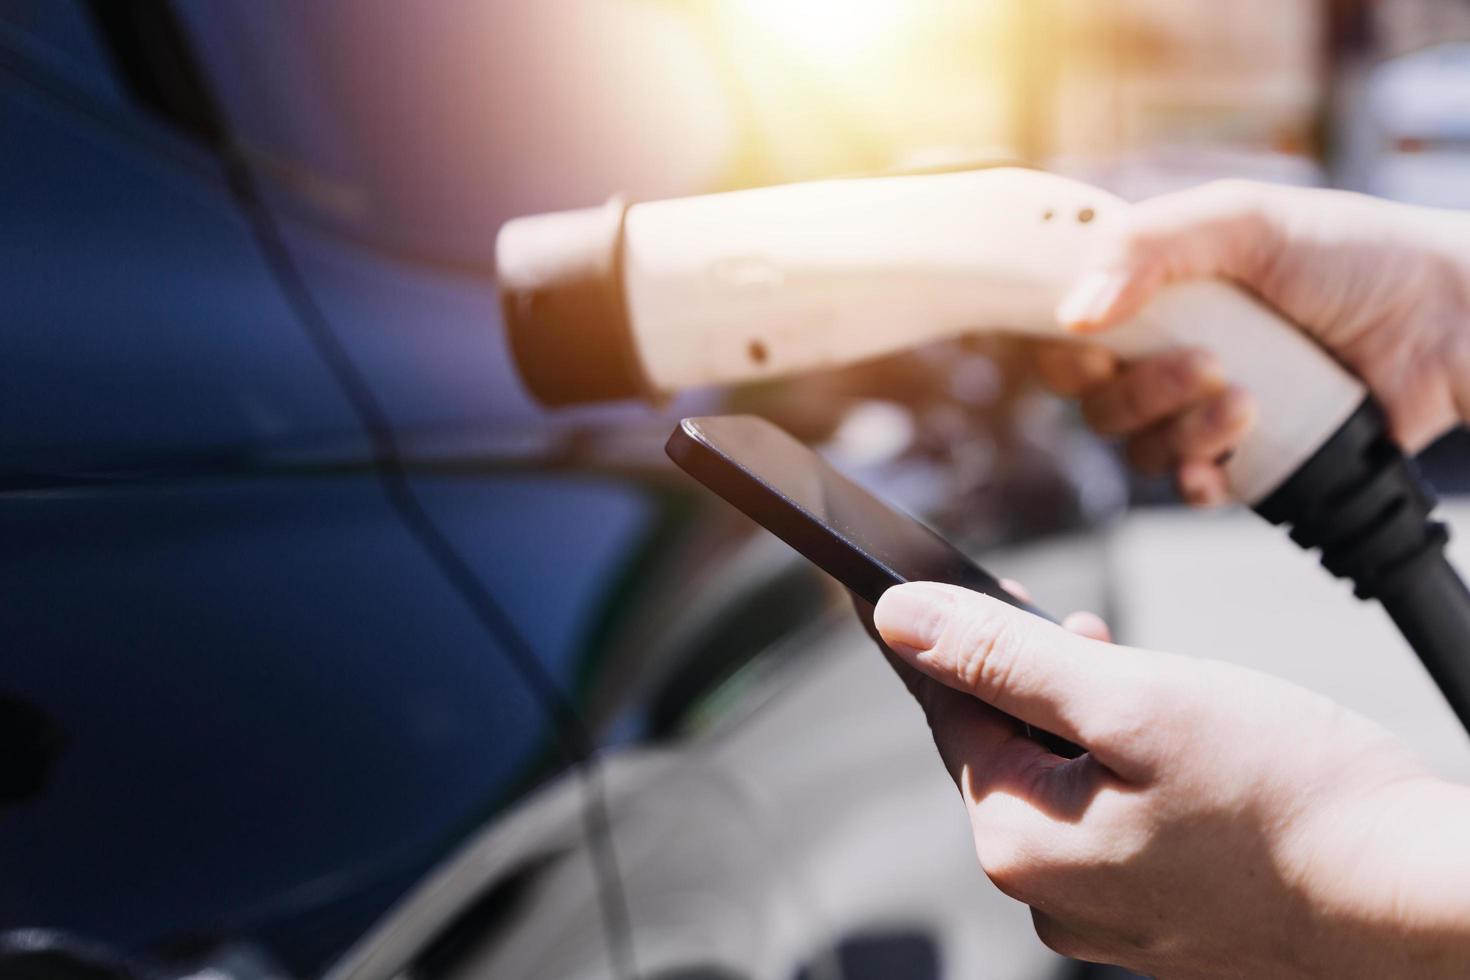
(828, 30)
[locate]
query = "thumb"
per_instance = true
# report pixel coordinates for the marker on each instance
(1217, 231)
(1097, 695)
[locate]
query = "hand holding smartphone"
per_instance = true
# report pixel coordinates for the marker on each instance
(841, 528)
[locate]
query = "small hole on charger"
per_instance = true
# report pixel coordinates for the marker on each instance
(1086, 215)
(1048, 214)
(758, 352)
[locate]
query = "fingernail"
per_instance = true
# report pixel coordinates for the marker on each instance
(1089, 301)
(1233, 409)
(1198, 489)
(913, 615)
(1097, 363)
(1206, 369)
(1087, 624)
(1193, 488)
(1016, 589)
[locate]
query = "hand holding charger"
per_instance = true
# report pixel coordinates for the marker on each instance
(659, 297)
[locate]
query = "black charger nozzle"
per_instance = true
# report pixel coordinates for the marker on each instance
(1363, 505)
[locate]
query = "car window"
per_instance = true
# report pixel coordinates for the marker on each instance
(417, 133)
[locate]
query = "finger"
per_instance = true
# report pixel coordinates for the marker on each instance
(929, 692)
(1152, 390)
(1089, 625)
(1109, 296)
(1069, 368)
(1215, 231)
(986, 751)
(1061, 938)
(979, 745)
(1028, 668)
(1018, 590)
(1203, 484)
(1207, 431)
(1212, 430)
(966, 732)
(1148, 451)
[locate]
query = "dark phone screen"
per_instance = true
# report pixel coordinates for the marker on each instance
(865, 544)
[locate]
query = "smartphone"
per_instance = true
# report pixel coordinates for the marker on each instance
(838, 526)
(798, 496)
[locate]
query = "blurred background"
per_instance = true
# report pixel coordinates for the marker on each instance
(329, 652)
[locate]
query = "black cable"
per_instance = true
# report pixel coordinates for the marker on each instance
(1432, 611)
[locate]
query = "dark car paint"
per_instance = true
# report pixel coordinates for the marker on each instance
(272, 716)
